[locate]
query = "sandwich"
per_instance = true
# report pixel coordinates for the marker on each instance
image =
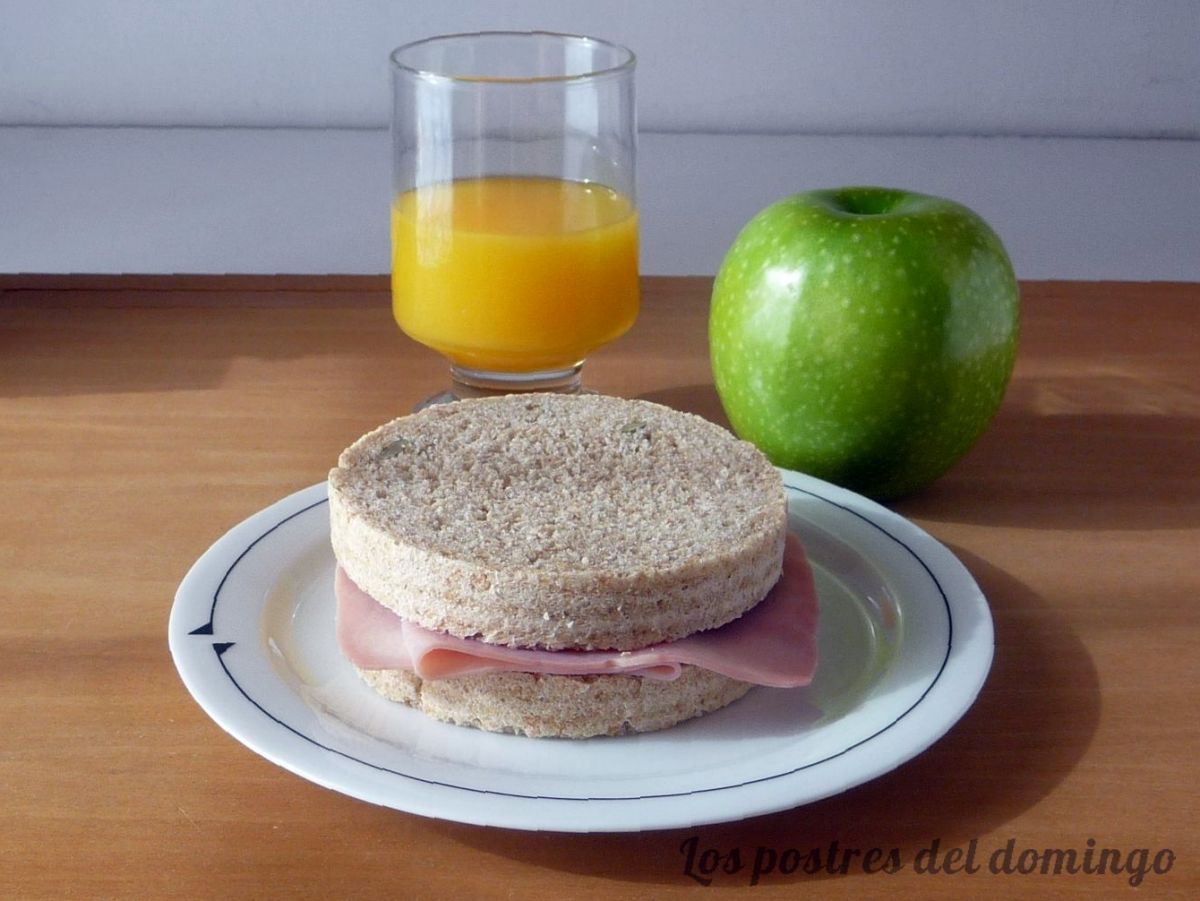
(568, 566)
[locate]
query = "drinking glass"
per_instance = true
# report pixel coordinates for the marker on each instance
(514, 212)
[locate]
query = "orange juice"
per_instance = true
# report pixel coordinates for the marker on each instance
(513, 274)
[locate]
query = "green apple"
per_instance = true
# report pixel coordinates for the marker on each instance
(864, 335)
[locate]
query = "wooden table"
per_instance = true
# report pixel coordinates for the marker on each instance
(142, 417)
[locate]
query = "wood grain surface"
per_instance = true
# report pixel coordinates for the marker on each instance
(141, 418)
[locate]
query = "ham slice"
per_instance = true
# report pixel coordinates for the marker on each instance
(773, 644)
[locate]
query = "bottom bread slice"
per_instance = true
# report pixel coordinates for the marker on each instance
(542, 706)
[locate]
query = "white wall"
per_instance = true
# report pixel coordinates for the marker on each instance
(1072, 125)
(1041, 67)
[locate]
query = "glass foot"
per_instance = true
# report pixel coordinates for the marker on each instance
(468, 383)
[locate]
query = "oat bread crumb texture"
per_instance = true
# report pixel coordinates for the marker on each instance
(559, 522)
(541, 706)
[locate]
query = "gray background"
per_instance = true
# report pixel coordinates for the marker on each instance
(249, 136)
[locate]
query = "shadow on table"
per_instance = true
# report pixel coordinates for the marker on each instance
(1029, 728)
(1050, 461)
(699, 399)
(1105, 453)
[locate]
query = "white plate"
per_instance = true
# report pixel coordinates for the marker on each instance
(905, 643)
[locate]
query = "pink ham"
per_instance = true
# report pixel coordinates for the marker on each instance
(773, 644)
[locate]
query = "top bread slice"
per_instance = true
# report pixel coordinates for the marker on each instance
(559, 522)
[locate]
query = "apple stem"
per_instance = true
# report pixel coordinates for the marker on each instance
(866, 201)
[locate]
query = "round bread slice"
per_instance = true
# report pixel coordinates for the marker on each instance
(542, 706)
(551, 521)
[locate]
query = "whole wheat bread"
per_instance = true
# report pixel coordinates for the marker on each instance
(561, 706)
(559, 522)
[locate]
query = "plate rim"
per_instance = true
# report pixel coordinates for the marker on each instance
(237, 543)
